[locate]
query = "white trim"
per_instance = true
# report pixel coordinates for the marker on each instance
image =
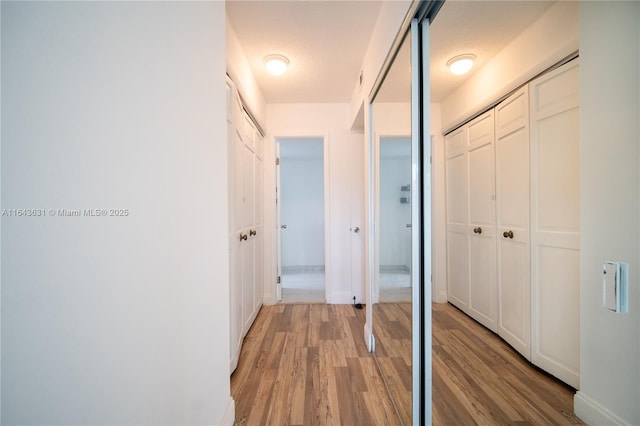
(592, 413)
(339, 298)
(416, 221)
(229, 417)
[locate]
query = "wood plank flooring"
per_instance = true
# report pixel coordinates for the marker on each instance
(392, 322)
(479, 379)
(308, 365)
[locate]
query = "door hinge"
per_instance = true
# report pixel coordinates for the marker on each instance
(277, 161)
(278, 279)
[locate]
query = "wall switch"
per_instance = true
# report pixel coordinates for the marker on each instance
(615, 286)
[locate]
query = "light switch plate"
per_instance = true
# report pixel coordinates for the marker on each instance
(615, 286)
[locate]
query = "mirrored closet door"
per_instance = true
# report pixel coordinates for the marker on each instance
(400, 244)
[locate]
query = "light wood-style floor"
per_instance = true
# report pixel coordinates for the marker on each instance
(308, 365)
(479, 379)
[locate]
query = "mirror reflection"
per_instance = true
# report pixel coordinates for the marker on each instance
(391, 293)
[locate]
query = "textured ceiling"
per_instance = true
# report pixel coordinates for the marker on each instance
(326, 41)
(479, 27)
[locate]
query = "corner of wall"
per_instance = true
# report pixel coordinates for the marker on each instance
(229, 416)
(592, 413)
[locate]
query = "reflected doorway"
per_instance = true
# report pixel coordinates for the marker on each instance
(395, 219)
(302, 219)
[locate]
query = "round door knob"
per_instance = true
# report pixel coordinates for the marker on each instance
(243, 237)
(283, 226)
(508, 234)
(477, 230)
(356, 229)
(253, 232)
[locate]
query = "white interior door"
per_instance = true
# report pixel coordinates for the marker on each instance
(512, 187)
(555, 236)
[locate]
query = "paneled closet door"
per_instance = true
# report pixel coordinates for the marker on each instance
(258, 228)
(248, 243)
(555, 222)
(481, 227)
(235, 152)
(457, 219)
(512, 188)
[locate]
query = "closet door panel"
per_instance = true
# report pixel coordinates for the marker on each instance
(514, 295)
(482, 276)
(248, 244)
(556, 340)
(512, 169)
(457, 219)
(555, 232)
(258, 237)
(482, 221)
(512, 193)
(458, 268)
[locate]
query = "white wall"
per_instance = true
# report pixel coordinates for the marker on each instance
(302, 202)
(240, 72)
(548, 40)
(115, 320)
(609, 209)
(345, 204)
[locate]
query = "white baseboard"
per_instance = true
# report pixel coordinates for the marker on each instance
(229, 417)
(440, 297)
(592, 413)
(269, 300)
(340, 298)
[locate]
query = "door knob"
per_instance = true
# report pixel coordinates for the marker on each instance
(408, 225)
(243, 237)
(253, 232)
(477, 230)
(508, 234)
(356, 229)
(283, 226)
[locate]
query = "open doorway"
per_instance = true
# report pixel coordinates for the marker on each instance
(302, 219)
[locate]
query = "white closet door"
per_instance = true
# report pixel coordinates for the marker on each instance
(235, 148)
(248, 245)
(258, 232)
(481, 227)
(457, 219)
(512, 187)
(555, 222)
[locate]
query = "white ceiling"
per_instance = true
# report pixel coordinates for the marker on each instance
(326, 41)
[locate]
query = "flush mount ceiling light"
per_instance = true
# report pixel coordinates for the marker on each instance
(461, 64)
(276, 64)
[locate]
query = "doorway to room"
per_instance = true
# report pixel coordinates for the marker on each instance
(301, 213)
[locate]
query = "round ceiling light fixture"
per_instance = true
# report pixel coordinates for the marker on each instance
(461, 64)
(276, 64)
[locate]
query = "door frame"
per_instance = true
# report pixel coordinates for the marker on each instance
(278, 241)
